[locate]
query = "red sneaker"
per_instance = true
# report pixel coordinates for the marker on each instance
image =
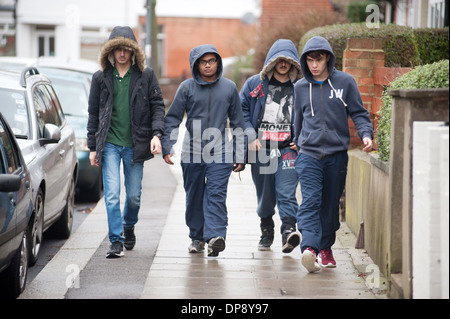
(326, 259)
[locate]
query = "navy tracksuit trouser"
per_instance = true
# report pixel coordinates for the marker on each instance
(322, 183)
(206, 186)
(276, 182)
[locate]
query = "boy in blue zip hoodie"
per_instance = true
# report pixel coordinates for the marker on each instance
(267, 100)
(324, 99)
(207, 156)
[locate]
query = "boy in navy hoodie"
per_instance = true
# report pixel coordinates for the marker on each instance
(324, 99)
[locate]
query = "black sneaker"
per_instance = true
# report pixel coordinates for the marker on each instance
(215, 246)
(130, 238)
(266, 238)
(290, 239)
(115, 250)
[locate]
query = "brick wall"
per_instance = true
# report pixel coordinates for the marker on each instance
(229, 36)
(276, 11)
(364, 60)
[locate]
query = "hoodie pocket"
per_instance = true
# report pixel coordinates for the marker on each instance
(329, 140)
(333, 141)
(312, 138)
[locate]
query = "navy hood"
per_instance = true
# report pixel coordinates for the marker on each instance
(197, 53)
(281, 49)
(316, 43)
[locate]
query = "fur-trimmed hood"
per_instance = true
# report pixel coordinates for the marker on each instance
(121, 37)
(282, 49)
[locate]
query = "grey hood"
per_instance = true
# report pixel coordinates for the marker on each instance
(197, 53)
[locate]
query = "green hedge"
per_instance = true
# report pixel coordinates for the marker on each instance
(432, 44)
(403, 46)
(356, 10)
(423, 77)
(399, 43)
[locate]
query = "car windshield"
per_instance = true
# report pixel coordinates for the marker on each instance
(13, 105)
(72, 96)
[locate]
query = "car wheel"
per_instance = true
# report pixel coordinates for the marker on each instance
(14, 278)
(36, 228)
(63, 227)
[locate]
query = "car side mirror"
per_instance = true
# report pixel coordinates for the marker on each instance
(52, 134)
(9, 183)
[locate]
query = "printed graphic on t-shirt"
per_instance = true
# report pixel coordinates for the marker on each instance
(289, 160)
(276, 122)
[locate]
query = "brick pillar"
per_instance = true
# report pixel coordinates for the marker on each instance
(361, 56)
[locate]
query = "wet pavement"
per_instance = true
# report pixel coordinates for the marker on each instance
(160, 267)
(241, 271)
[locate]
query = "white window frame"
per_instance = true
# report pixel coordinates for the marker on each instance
(436, 13)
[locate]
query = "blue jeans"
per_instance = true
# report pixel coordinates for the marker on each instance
(322, 183)
(276, 186)
(133, 172)
(206, 188)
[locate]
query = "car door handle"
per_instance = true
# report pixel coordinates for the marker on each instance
(61, 153)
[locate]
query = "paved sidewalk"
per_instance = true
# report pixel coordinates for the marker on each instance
(241, 271)
(160, 266)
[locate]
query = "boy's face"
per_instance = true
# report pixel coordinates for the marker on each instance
(122, 55)
(282, 67)
(207, 66)
(318, 66)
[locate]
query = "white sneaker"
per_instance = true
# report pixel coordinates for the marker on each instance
(309, 260)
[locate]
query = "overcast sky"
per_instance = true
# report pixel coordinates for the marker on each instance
(207, 8)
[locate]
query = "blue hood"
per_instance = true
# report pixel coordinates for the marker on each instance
(281, 49)
(197, 53)
(315, 44)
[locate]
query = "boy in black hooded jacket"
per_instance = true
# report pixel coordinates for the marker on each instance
(126, 120)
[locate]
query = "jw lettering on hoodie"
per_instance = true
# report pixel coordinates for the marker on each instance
(322, 109)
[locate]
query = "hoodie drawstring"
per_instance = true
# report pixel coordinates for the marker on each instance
(310, 96)
(338, 96)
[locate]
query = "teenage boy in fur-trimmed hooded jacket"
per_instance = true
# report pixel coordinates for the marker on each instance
(267, 100)
(324, 99)
(126, 120)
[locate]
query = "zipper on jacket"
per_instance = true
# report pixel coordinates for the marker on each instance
(209, 107)
(323, 122)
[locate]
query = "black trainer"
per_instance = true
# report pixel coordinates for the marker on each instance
(266, 238)
(130, 238)
(290, 238)
(115, 250)
(215, 246)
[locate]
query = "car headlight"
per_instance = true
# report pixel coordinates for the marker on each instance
(81, 144)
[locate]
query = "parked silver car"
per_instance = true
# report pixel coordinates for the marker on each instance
(47, 142)
(16, 208)
(71, 80)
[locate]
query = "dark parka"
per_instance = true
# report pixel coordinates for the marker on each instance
(146, 102)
